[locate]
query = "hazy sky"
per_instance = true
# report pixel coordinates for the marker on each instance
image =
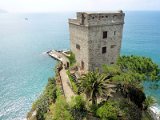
(77, 5)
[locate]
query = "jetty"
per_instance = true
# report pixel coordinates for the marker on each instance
(60, 56)
(56, 55)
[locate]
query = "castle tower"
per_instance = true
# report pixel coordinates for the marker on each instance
(95, 38)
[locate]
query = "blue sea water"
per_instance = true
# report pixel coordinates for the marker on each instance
(24, 68)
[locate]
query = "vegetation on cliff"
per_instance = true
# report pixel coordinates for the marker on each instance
(71, 58)
(42, 104)
(73, 84)
(115, 94)
(95, 86)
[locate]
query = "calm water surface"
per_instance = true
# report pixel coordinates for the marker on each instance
(24, 68)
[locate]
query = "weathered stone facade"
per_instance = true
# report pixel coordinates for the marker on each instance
(95, 38)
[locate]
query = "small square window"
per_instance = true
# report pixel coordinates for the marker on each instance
(104, 34)
(112, 46)
(112, 63)
(104, 50)
(78, 46)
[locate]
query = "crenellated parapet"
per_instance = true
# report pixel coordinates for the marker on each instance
(98, 18)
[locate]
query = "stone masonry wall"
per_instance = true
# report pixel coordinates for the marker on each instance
(96, 42)
(87, 31)
(79, 36)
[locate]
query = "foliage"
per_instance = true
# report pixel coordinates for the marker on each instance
(78, 108)
(111, 70)
(127, 76)
(62, 110)
(58, 91)
(93, 108)
(141, 65)
(73, 84)
(129, 73)
(50, 89)
(108, 111)
(122, 109)
(42, 105)
(129, 84)
(50, 115)
(117, 76)
(71, 58)
(95, 85)
(149, 101)
(78, 102)
(43, 102)
(130, 110)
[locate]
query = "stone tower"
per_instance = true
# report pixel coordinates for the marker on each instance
(95, 38)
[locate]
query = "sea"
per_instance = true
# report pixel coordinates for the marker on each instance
(25, 68)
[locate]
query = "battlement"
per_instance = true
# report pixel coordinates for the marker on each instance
(98, 18)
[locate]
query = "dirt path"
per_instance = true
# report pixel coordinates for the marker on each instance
(66, 85)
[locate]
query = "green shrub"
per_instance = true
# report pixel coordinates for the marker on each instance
(58, 91)
(48, 96)
(78, 108)
(62, 110)
(108, 111)
(51, 89)
(72, 59)
(93, 108)
(74, 86)
(78, 102)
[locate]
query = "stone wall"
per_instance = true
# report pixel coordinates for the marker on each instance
(79, 36)
(87, 31)
(112, 44)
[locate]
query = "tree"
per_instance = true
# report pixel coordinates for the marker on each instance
(142, 65)
(129, 84)
(136, 69)
(95, 85)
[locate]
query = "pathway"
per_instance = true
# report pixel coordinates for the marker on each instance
(66, 85)
(64, 77)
